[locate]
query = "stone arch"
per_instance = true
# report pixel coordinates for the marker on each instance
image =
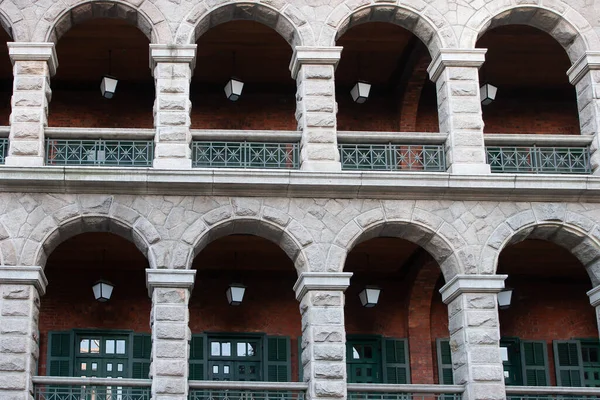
(429, 25)
(443, 242)
(61, 17)
(13, 22)
(8, 253)
(283, 18)
(551, 222)
(569, 28)
(269, 223)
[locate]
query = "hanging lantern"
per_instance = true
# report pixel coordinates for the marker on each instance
(360, 92)
(369, 296)
(504, 298)
(102, 290)
(233, 89)
(235, 294)
(108, 86)
(487, 93)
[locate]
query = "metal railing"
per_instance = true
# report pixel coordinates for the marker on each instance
(539, 160)
(357, 391)
(551, 392)
(117, 153)
(214, 390)
(62, 388)
(3, 149)
(393, 157)
(244, 154)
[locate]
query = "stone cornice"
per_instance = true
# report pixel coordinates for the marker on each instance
(169, 278)
(594, 296)
(588, 62)
(455, 58)
(314, 56)
(181, 53)
(321, 281)
(29, 51)
(24, 275)
(471, 284)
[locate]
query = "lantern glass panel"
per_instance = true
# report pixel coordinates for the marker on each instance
(108, 86)
(360, 92)
(235, 294)
(504, 298)
(233, 89)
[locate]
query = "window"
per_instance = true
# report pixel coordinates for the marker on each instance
(577, 362)
(373, 359)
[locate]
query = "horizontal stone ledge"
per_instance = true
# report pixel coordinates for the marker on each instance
(169, 278)
(460, 284)
(24, 275)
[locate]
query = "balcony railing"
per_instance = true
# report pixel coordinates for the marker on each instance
(404, 392)
(551, 393)
(111, 153)
(213, 390)
(59, 388)
(245, 149)
(392, 151)
(538, 154)
(3, 149)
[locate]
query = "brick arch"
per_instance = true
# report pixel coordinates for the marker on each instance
(442, 242)
(569, 230)
(428, 24)
(263, 221)
(62, 16)
(569, 28)
(283, 18)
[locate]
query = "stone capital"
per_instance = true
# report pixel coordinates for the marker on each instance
(473, 58)
(314, 56)
(176, 53)
(471, 284)
(30, 51)
(169, 278)
(588, 62)
(24, 275)
(308, 281)
(594, 296)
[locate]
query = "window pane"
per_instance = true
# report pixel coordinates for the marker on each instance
(242, 369)
(226, 349)
(94, 366)
(120, 346)
(120, 367)
(226, 369)
(241, 350)
(95, 346)
(355, 354)
(251, 347)
(215, 369)
(84, 346)
(109, 367)
(368, 352)
(83, 366)
(215, 349)
(110, 346)
(359, 372)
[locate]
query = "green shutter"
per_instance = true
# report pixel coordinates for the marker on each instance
(277, 365)
(396, 368)
(444, 359)
(60, 354)
(197, 357)
(534, 358)
(568, 362)
(300, 365)
(142, 349)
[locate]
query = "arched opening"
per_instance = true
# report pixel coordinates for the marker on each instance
(81, 336)
(397, 340)
(528, 66)
(549, 333)
(394, 61)
(89, 51)
(258, 56)
(256, 340)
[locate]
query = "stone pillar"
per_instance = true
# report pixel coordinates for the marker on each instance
(584, 74)
(313, 68)
(170, 293)
(475, 334)
(321, 296)
(33, 65)
(172, 67)
(594, 296)
(455, 72)
(20, 291)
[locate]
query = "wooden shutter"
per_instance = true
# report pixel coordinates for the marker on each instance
(60, 354)
(396, 367)
(277, 359)
(444, 360)
(140, 362)
(198, 357)
(568, 362)
(534, 358)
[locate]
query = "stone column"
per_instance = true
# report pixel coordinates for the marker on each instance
(170, 293)
(321, 296)
(455, 72)
(475, 334)
(594, 296)
(584, 74)
(313, 68)
(172, 67)
(33, 65)
(20, 291)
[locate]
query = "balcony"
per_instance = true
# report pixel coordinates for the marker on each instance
(550, 393)
(231, 390)
(61, 388)
(404, 392)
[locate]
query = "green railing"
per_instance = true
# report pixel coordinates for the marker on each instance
(373, 391)
(59, 388)
(243, 154)
(3, 149)
(232, 390)
(113, 153)
(393, 157)
(539, 160)
(551, 393)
